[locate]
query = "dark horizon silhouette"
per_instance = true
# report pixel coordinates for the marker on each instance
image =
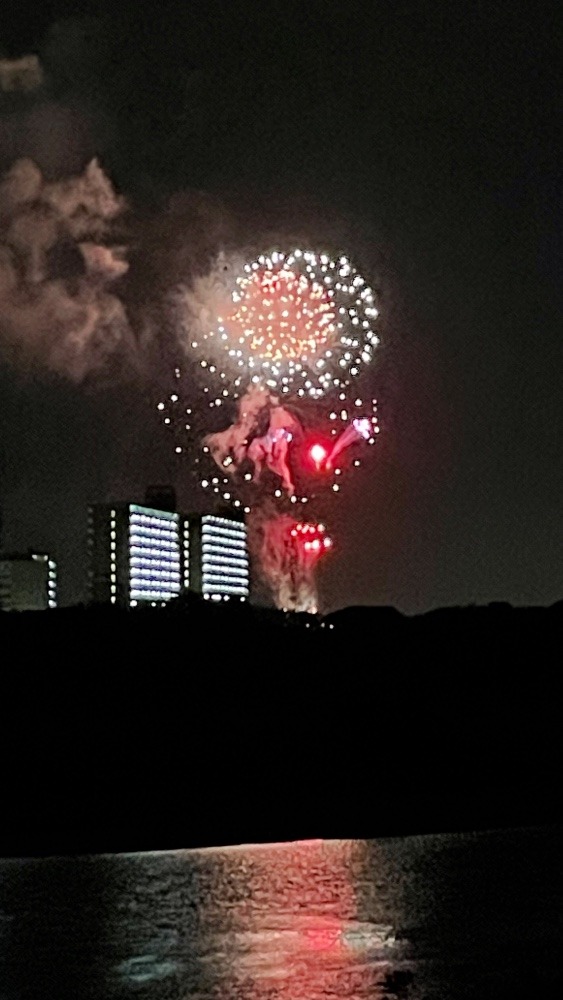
(197, 725)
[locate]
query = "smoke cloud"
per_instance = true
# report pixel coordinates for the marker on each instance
(59, 263)
(258, 439)
(286, 567)
(20, 75)
(71, 292)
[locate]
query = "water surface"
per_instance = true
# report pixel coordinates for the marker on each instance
(452, 916)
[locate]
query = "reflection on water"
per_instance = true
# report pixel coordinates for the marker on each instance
(311, 958)
(433, 917)
(271, 922)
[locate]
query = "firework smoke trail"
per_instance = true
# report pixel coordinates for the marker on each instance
(243, 441)
(287, 551)
(283, 339)
(58, 263)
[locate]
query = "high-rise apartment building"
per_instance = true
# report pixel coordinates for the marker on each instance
(134, 554)
(217, 549)
(141, 554)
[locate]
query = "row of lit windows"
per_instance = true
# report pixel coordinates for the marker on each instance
(157, 585)
(156, 566)
(226, 589)
(223, 522)
(150, 538)
(170, 530)
(156, 548)
(236, 541)
(163, 555)
(230, 545)
(222, 557)
(228, 522)
(163, 559)
(220, 578)
(159, 521)
(154, 574)
(227, 533)
(220, 538)
(159, 515)
(212, 569)
(157, 595)
(229, 562)
(143, 586)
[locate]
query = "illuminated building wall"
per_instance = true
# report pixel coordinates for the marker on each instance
(28, 582)
(135, 554)
(218, 554)
(139, 554)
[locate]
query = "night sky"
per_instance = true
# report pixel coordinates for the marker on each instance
(425, 138)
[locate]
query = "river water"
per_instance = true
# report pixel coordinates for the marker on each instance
(450, 916)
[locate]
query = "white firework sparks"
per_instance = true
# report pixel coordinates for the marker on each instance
(301, 322)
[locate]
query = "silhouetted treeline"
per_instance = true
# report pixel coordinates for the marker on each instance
(196, 724)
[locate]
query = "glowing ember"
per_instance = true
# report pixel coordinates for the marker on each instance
(281, 314)
(312, 539)
(318, 454)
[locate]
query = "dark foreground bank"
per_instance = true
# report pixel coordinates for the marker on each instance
(199, 726)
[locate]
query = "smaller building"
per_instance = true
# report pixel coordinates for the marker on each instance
(28, 582)
(215, 556)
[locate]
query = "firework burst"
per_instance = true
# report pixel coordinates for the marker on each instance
(275, 414)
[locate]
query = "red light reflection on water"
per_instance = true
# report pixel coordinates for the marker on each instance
(324, 937)
(305, 935)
